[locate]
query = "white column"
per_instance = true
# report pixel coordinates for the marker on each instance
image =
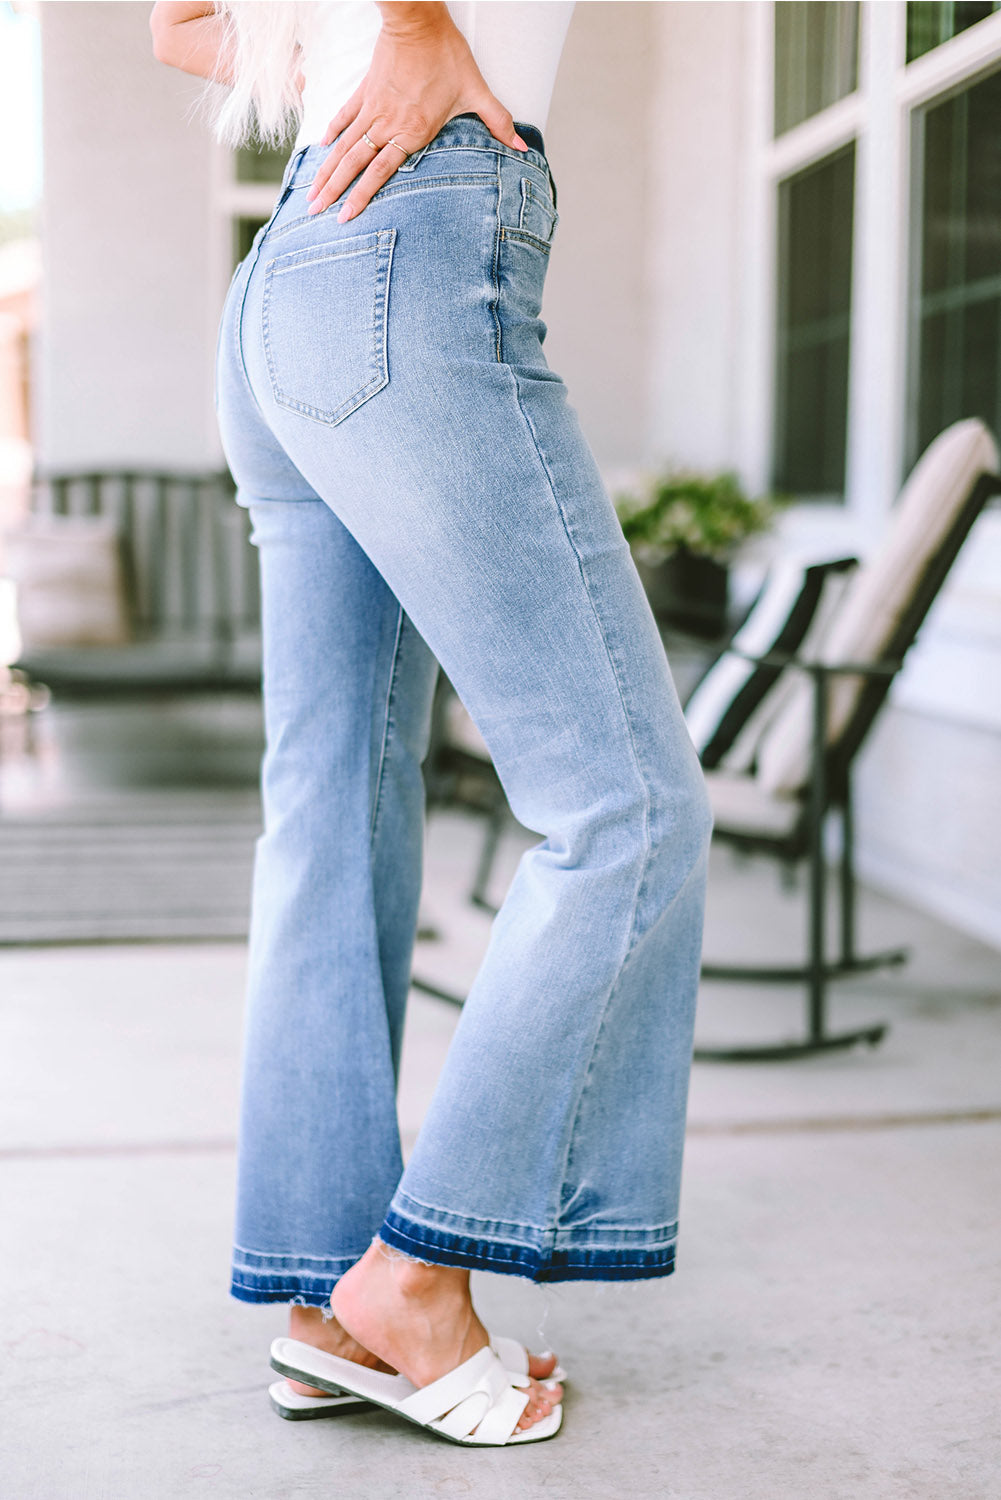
(876, 395)
(754, 355)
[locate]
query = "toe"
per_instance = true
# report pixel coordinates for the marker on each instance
(541, 1400)
(306, 1390)
(540, 1366)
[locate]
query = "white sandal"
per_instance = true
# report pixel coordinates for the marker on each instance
(478, 1404)
(295, 1407)
(298, 1408)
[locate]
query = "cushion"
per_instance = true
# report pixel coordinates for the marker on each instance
(861, 629)
(740, 806)
(733, 688)
(742, 754)
(71, 582)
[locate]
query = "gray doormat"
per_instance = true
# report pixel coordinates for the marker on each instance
(163, 867)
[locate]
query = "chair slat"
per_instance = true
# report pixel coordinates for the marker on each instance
(190, 569)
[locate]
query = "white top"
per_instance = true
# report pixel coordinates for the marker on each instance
(516, 44)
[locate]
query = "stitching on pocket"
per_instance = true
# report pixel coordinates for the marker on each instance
(373, 364)
(525, 237)
(533, 197)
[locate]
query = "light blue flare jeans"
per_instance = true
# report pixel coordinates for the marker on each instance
(420, 492)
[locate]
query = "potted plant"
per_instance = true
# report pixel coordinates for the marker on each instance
(684, 529)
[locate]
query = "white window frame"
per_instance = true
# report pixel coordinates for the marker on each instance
(956, 671)
(235, 200)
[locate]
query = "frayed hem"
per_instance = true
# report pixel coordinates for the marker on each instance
(442, 1248)
(393, 1252)
(303, 1280)
(290, 1297)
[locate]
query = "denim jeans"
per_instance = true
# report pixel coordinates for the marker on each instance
(420, 492)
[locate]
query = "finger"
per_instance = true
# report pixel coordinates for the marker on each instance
(339, 168)
(343, 118)
(347, 135)
(338, 172)
(500, 122)
(324, 172)
(379, 172)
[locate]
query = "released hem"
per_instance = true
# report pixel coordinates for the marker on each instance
(284, 1278)
(311, 1298)
(573, 1263)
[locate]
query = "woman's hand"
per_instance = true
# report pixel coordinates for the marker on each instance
(422, 73)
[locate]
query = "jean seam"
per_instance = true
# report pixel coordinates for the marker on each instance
(641, 879)
(285, 1255)
(286, 1290)
(255, 1279)
(470, 1220)
(243, 300)
(495, 147)
(525, 236)
(387, 726)
(495, 269)
(624, 1254)
(385, 194)
(411, 1240)
(539, 1264)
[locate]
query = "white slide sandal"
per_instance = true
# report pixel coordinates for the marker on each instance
(514, 1357)
(478, 1404)
(297, 1408)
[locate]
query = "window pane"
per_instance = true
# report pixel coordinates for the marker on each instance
(262, 164)
(956, 306)
(929, 24)
(243, 237)
(814, 315)
(816, 57)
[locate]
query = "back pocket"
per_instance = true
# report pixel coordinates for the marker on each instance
(325, 318)
(538, 217)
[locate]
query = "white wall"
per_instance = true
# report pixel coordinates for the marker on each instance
(131, 227)
(695, 231)
(928, 809)
(929, 785)
(125, 371)
(598, 143)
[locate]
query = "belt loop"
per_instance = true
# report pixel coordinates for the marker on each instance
(413, 159)
(292, 164)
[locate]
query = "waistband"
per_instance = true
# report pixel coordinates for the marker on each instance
(460, 130)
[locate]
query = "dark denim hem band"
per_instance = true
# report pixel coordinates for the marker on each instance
(260, 1276)
(576, 1264)
(311, 1291)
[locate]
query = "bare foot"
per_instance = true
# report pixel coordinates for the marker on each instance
(420, 1320)
(307, 1324)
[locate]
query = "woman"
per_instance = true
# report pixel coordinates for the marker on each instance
(420, 491)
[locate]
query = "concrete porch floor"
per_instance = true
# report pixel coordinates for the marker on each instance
(834, 1328)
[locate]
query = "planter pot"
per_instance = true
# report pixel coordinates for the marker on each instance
(687, 591)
